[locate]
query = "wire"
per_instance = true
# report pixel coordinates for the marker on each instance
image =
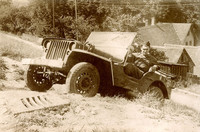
(168, 4)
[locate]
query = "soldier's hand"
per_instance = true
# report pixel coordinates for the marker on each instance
(153, 68)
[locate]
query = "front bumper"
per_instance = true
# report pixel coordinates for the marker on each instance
(44, 62)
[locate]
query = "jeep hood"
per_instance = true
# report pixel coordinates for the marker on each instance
(111, 44)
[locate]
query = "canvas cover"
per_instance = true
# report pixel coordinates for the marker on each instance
(112, 43)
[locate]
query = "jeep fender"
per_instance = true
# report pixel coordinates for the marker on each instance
(152, 79)
(101, 63)
(161, 85)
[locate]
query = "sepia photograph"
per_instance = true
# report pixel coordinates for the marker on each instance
(99, 65)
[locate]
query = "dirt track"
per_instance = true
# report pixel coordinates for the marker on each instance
(184, 97)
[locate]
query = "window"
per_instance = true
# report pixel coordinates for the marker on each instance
(186, 43)
(191, 43)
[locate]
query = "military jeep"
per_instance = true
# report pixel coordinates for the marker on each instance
(90, 68)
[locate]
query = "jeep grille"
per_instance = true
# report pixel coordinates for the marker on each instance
(58, 49)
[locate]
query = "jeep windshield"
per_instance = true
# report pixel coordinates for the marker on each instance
(111, 44)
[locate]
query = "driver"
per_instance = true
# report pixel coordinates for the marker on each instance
(136, 64)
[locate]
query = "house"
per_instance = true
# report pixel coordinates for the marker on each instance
(179, 61)
(194, 54)
(185, 34)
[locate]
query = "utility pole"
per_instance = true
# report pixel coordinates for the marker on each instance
(53, 16)
(76, 17)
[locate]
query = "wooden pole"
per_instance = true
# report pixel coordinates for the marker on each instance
(53, 16)
(76, 17)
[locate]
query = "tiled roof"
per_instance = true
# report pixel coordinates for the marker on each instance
(194, 54)
(173, 53)
(161, 33)
(182, 30)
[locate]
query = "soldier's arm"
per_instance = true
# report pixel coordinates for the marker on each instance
(155, 65)
(154, 61)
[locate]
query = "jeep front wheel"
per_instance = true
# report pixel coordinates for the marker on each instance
(83, 79)
(36, 80)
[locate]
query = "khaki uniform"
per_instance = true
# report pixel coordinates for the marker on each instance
(137, 64)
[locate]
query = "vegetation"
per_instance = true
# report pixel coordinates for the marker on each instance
(2, 69)
(15, 50)
(37, 17)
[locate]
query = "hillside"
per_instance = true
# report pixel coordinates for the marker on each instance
(80, 113)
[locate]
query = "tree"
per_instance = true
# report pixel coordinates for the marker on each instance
(152, 8)
(15, 20)
(177, 12)
(65, 23)
(192, 13)
(4, 3)
(172, 14)
(120, 19)
(37, 18)
(41, 14)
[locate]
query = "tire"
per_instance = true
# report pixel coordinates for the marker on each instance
(83, 79)
(35, 81)
(156, 92)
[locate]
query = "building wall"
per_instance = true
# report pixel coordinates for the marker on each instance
(197, 71)
(189, 40)
(185, 59)
(178, 70)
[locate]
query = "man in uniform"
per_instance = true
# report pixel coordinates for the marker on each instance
(136, 64)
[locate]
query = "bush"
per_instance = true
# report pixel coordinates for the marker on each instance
(11, 54)
(2, 69)
(148, 99)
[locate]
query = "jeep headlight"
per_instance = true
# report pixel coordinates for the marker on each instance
(72, 45)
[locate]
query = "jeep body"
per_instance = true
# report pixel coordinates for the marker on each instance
(88, 69)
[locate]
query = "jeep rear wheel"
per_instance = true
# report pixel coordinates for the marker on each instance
(36, 80)
(83, 79)
(156, 92)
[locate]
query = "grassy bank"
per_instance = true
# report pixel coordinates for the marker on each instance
(17, 50)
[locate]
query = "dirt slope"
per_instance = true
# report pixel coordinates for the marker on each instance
(87, 114)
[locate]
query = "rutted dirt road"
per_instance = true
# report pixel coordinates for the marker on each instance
(184, 97)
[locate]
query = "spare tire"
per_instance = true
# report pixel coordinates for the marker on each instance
(35, 80)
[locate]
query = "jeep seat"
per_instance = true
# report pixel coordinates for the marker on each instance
(133, 71)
